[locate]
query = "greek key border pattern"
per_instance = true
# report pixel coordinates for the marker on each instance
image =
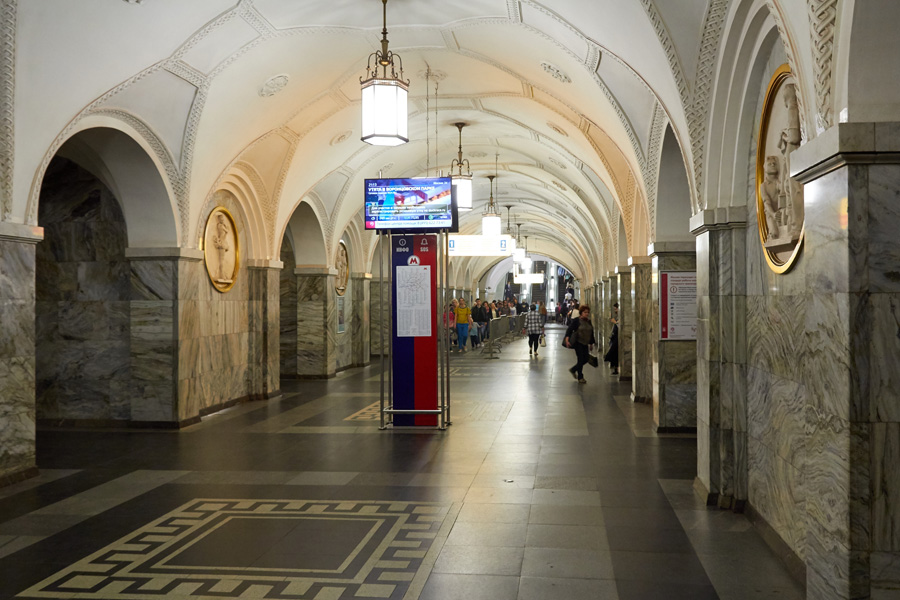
(133, 566)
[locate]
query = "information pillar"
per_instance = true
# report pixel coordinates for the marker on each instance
(415, 337)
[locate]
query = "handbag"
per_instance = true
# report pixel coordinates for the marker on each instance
(543, 341)
(592, 360)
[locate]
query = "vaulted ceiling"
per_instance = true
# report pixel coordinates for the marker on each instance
(570, 98)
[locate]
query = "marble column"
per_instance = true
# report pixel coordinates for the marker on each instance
(851, 177)
(606, 306)
(17, 360)
(154, 332)
(380, 306)
(722, 442)
(360, 319)
(674, 361)
(316, 323)
(612, 297)
(265, 329)
(642, 330)
(625, 296)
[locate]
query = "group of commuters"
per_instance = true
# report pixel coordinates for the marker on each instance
(472, 323)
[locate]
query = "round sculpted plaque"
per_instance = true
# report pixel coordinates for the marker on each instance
(221, 249)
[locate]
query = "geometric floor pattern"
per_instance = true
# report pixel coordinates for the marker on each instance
(231, 548)
(369, 413)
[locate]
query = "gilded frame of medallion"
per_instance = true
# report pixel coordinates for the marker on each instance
(780, 76)
(237, 249)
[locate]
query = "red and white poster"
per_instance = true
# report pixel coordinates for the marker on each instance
(677, 305)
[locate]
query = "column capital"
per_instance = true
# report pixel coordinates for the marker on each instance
(623, 269)
(305, 270)
(845, 144)
(671, 248)
(726, 217)
(24, 234)
(359, 275)
(163, 254)
(639, 260)
(259, 263)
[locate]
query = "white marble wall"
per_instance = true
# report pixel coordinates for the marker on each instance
(82, 301)
(316, 325)
(642, 333)
(17, 358)
(849, 367)
(626, 325)
(674, 361)
(380, 294)
(361, 322)
(265, 325)
(288, 310)
(344, 341)
(722, 438)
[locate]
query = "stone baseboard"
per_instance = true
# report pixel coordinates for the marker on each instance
(18, 476)
(641, 399)
(795, 565)
(676, 430)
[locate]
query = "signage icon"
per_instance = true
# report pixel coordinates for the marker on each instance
(401, 242)
(413, 260)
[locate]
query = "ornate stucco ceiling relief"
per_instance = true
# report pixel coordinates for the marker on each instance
(822, 16)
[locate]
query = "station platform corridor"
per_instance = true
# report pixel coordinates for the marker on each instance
(543, 488)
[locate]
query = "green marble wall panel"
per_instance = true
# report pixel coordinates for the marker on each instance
(17, 357)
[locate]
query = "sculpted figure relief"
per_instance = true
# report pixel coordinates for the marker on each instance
(770, 191)
(343, 269)
(221, 242)
(779, 197)
(221, 249)
(790, 141)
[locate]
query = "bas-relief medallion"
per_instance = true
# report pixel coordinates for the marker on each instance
(343, 270)
(221, 249)
(779, 198)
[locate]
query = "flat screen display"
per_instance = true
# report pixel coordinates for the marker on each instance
(417, 204)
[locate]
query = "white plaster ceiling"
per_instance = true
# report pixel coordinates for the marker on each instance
(565, 92)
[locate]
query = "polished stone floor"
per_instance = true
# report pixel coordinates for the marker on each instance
(543, 488)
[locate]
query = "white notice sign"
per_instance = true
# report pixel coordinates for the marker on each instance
(677, 305)
(414, 301)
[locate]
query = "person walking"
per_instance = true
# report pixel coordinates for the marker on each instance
(612, 355)
(534, 327)
(543, 313)
(481, 317)
(463, 315)
(580, 336)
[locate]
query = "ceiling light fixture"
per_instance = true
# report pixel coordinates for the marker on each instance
(384, 97)
(490, 219)
(462, 182)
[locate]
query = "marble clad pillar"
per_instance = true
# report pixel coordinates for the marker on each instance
(380, 292)
(360, 319)
(642, 330)
(625, 297)
(722, 442)
(316, 323)
(157, 344)
(611, 298)
(265, 329)
(851, 177)
(674, 361)
(17, 361)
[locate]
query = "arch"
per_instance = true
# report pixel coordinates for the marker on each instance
(750, 39)
(673, 204)
(243, 183)
(118, 157)
(307, 237)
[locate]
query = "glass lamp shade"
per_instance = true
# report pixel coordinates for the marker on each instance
(463, 185)
(490, 225)
(526, 263)
(384, 112)
(518, 255)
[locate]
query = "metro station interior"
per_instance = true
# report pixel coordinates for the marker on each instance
(193, 310)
